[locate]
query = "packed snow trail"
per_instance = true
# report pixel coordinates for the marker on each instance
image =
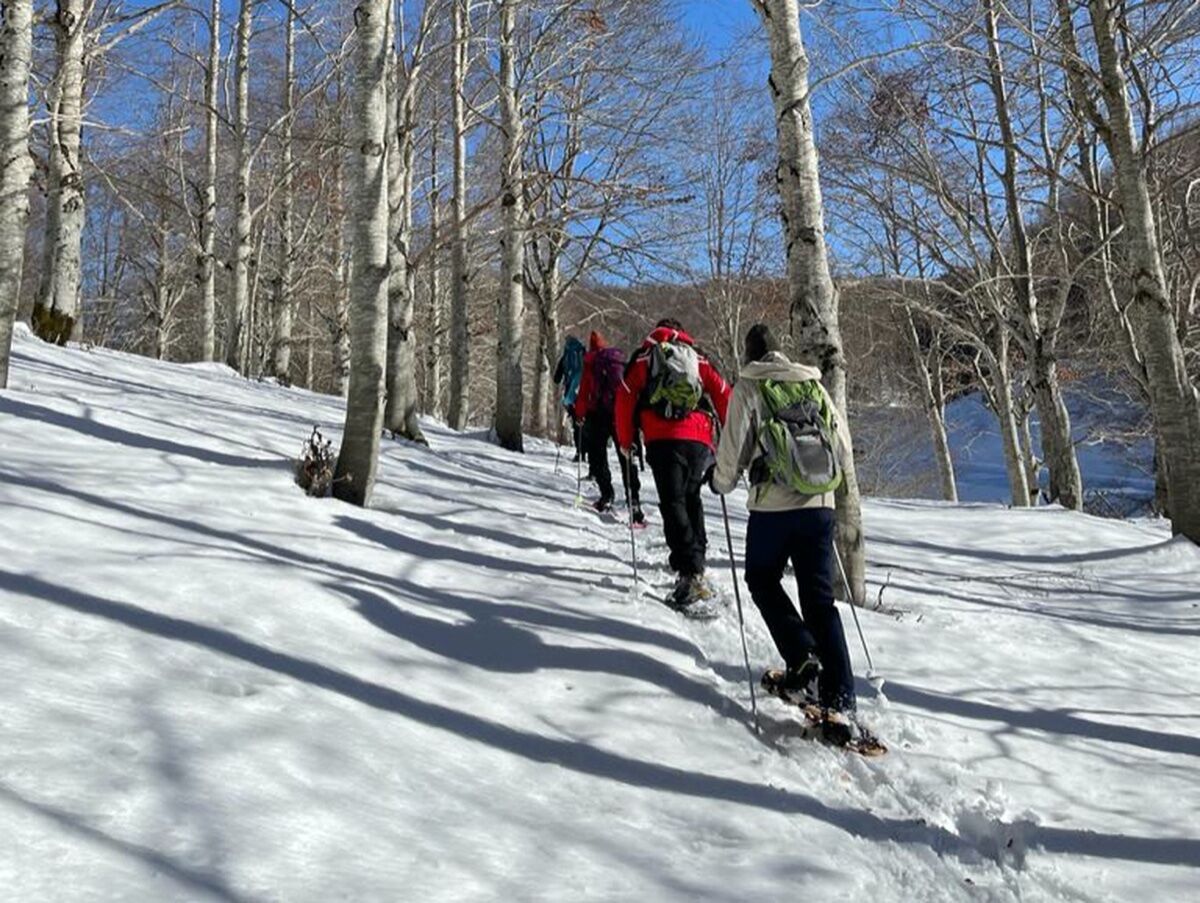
(217, 689)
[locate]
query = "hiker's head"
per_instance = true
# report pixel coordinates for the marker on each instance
(669, 323)
(596, 341)
(760, 342)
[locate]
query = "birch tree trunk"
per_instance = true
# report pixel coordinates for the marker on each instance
(236, 334)
(281, 358)
(433, 350)
(56, 312)
(400, 416)
(1058, 450)
(814, 301)
(340, 327)
(460, 336)
(16, 166)
(548, 297)
(208, 220)
(510, 396)
(929, 382)
(1004, 407)
(1174, 400)
(354, 477)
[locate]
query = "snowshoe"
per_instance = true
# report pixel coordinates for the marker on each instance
(844, 731)
(685, 599)
(798, 685)
(824, 725)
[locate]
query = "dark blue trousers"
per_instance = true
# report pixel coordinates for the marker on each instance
(805, 536)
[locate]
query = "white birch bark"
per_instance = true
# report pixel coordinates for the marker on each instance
(933, 400)
(208, 216)
(400, 416)
(340, 327)
(56, 314)
(510, 400)
(281, 358)
(16, 166)
(354, 477)
(1058, 449)
(433, 349)
(460, 274)
(814, 301)
(237, 331)
(548, 296)
(1174, 400)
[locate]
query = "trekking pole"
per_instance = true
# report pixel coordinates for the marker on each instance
(578, 483)
(625, 465)
(737, 594)
(872, 677)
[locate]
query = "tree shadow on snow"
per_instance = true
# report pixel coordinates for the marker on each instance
(108, 433)
(193, 880)
(1018, 557)
(584, 758)
(431, 551)
(1048, 721)
(615, 629)
(493, 643)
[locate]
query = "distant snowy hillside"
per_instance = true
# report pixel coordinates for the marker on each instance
(898, 454)
(215, 688)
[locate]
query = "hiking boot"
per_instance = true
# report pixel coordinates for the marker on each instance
(680, 590)
(697, 589)
(840, 728)
(602, 505)
(802, 677)
(639, 519)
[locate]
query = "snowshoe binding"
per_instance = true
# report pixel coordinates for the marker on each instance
(797, 687)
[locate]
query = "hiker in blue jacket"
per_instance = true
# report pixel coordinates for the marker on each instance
(569, 372)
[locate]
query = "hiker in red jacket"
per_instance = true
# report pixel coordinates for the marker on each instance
(671, 393)
(603, 368)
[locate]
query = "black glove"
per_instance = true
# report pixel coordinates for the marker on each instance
(708, 479)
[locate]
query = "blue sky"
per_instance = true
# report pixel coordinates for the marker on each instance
(720, 22)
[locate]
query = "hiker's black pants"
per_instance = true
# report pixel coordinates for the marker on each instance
(598, 433)
(805, 536)
(678, 466)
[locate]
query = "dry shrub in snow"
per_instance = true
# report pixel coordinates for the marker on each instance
(314, 466)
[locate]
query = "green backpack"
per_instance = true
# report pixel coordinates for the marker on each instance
(673, 385)
(799, 439)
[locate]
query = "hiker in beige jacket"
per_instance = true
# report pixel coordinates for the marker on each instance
(784, 525)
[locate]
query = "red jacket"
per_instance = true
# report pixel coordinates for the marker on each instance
(696, 426)
(583, 398)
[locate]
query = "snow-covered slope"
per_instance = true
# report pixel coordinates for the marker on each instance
(894, 451)
(215, 688)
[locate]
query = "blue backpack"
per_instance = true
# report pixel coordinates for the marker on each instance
(570, 370)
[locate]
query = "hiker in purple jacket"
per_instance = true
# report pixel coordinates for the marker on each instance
(603, 370)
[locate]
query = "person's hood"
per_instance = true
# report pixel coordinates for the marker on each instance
(666, 334)
(596, 341)
(776, 366)
(573, 343)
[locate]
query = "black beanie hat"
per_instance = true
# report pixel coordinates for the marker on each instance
(759, 342)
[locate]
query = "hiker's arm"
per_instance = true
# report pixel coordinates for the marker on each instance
(843, 428)
(716, 388)
(734, 437)
(584, 393)
(626, 408)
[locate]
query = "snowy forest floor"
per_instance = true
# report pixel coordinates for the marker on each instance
(215, 688)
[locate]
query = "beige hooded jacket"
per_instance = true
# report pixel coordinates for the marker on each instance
(739, 440)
